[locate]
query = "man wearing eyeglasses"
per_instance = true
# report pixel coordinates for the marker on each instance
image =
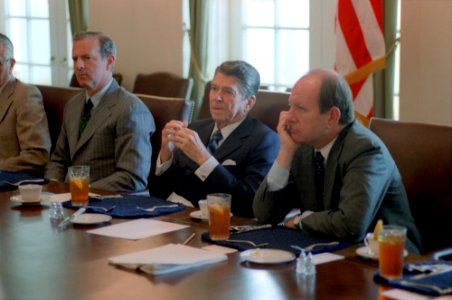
(24, 133)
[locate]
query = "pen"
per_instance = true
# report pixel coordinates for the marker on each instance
(189, 239)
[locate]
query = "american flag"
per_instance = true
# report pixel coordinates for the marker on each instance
(360, 49)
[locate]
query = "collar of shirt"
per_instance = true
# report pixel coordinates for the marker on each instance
(97, 97)
(226, 131)
(326, 150)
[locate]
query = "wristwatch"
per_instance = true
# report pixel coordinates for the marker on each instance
(297, 221)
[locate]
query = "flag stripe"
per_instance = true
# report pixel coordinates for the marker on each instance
(354, 38)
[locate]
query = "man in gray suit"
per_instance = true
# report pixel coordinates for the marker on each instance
(353, 183)
(24, 133)
(104, 126)
(189, 166)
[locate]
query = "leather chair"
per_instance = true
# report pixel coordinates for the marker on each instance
(163, 110)
(267, 108)
(163, 84)
(423, 154)
(54, 99)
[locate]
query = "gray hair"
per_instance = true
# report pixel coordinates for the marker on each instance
(9, 53)
(247, 76)
(107, 46)
(335, 91)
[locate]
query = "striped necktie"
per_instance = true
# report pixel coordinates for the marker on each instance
(86, 115)
(214, 140)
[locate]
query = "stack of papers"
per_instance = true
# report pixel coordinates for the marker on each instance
(168, 258)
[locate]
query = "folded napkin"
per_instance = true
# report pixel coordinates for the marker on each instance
(14, 179)
(167, 259)
(431, 278)
(129, 206)
(277, 237)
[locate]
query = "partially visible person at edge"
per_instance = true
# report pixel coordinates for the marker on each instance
(188, 168)
(361, 181)
(104, 126)
(24, 133)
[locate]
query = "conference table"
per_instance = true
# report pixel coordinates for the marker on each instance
(39, 261)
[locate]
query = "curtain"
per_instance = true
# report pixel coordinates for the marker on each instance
(384, 80)
(78, 15)
(198, 34)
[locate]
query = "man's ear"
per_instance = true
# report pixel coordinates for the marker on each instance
(334, 116)
(250, 103)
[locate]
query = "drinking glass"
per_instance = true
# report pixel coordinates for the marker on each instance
(219, 206)
(79, 184)
(391, 241)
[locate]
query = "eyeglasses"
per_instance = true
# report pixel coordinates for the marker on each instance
(4, 61)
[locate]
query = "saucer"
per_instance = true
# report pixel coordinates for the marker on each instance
(267, 256)
(88, 219)
(198, 215)
(18, 199)
(364, 252)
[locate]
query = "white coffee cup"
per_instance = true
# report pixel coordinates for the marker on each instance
(203, 207)
(372, 244)
(30, 192)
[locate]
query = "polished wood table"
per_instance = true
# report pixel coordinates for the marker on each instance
(38, 261)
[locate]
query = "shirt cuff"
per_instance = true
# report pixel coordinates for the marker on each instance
(162, 168)
(304, 215)
(206, 168)
(277, 177)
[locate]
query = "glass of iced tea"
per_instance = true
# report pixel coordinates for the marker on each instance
(79, 184)
(391, 241)
(219, 207)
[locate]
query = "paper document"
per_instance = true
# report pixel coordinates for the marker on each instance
(137, 229)
(168, 258)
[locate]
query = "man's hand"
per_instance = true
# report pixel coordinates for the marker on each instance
(288, 145)
(168, 136)
(189, 142)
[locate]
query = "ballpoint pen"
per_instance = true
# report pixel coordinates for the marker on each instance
(63, 223)
(189, 239)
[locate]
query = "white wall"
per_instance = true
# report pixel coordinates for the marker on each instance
(426, 61)
(148, 34)
(149, 38)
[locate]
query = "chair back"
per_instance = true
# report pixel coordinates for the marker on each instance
(165, 109)
(163, 84)
(54, 99)
(423, 154)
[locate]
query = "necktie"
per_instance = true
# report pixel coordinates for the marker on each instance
(214, 140)
(86, 115)
(319, 178)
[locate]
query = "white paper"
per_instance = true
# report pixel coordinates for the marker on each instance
(137, 229)
(167, 258)
(219, 249)
(403, 295)
(326, 257)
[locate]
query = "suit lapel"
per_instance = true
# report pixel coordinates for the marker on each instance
(6, 98)
(98, 116)
(235, 140)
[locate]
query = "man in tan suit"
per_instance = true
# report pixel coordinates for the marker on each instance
(24, 133)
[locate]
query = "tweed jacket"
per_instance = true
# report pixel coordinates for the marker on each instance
(115, 143)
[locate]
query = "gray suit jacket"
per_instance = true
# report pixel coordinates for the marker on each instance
(115, 143)
(24, 133)
(362, 185)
